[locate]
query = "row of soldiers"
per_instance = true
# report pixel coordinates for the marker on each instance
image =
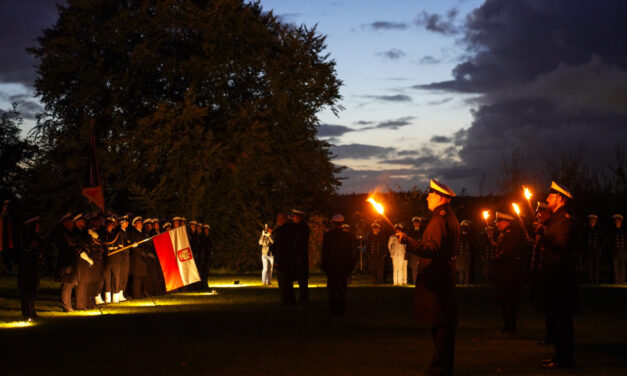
(476, 253)
(106, 259)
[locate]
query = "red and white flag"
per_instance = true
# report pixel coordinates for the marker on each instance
(176, 258)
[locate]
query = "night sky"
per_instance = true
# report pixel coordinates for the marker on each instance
(443, 89)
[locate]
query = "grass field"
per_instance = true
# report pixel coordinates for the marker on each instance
(241, 330)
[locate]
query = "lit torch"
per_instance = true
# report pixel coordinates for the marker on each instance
(379, 208)
(486, 215)
(517, 210)
(528, 195)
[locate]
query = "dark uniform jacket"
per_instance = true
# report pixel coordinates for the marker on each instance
(558, 286)
(338, 257)
(298, 253)
(465, 251)
(67, 258)
(508, 269)
(616, 242)
(84, 243)
(377, 246)
(138, 254)
(592, 241)
(30, 261)
(435, 302)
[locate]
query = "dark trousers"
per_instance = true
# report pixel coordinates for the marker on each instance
(81, 295)
(124, 270)
(442, 363)
(377, 269)
(28, 296)
(137, 286)
(66, 295)
(112, 278)
(286, 287)
(508, 309)
(337, 299)
(562, 325)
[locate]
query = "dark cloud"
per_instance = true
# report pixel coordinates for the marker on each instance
(393, 54)
(441, 139)
(364, 122)
(440, 101)
(429, 60)
(330, 130)
(438, 23)
(360, 151)
(385, 25)
(551, 79)
(21, 23)
(390, 98)
(26, 105)
(395, 124)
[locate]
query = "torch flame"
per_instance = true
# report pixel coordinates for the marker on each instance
(516, 208)
(486, 215)
(528, 193)
(378, 207)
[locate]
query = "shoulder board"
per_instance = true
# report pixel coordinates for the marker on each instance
(442, 212)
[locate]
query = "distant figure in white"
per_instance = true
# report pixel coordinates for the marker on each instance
(267, 259)
(397, 253)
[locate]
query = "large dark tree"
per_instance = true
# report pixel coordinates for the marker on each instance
(201, 108)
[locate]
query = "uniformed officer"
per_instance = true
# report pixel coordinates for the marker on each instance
(138, 267)
(558, 288)
(298, 231)
(84, 264)
(418, 228)
(338, 260)
(281, 248)
(397, 255)
(463, 260)
(67, 258)
(96, 283)
(111, 242)
(125, 258)
(31, 260)
(508, 269)
(618, 251)
(592, 247)
(487, 245)
(376, 249)
(435, 302)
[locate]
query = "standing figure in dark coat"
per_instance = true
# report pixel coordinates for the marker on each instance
(125, 258)
(111, 241)
(139, 267)
(298, 234)
(508, 270)
(67, 260)
(96, 284)
(205, 261)
(377, 251)
(281, 251)
(85, 262)
(338, 260)
(542, 216)
(435, 302)
(463, 260)
(558, 287)
(30, 263)
(618, 250)
(419, 224)
(592, 247)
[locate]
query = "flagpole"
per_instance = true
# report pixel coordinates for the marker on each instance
(131, 245)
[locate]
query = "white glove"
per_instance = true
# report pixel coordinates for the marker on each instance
(87, 258)
(93, 234)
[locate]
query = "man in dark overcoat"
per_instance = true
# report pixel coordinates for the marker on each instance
(139, 253)
(298, 234)
(508, 269)
(280, 249)
(435, 302)
(338, 260)
(558, 288)
(67, 259)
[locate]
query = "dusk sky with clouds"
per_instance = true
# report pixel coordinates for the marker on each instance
(442, 89)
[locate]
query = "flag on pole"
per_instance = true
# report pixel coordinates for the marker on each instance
(93, 185)
(176, 258)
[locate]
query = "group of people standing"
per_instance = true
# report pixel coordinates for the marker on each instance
(103, 259)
